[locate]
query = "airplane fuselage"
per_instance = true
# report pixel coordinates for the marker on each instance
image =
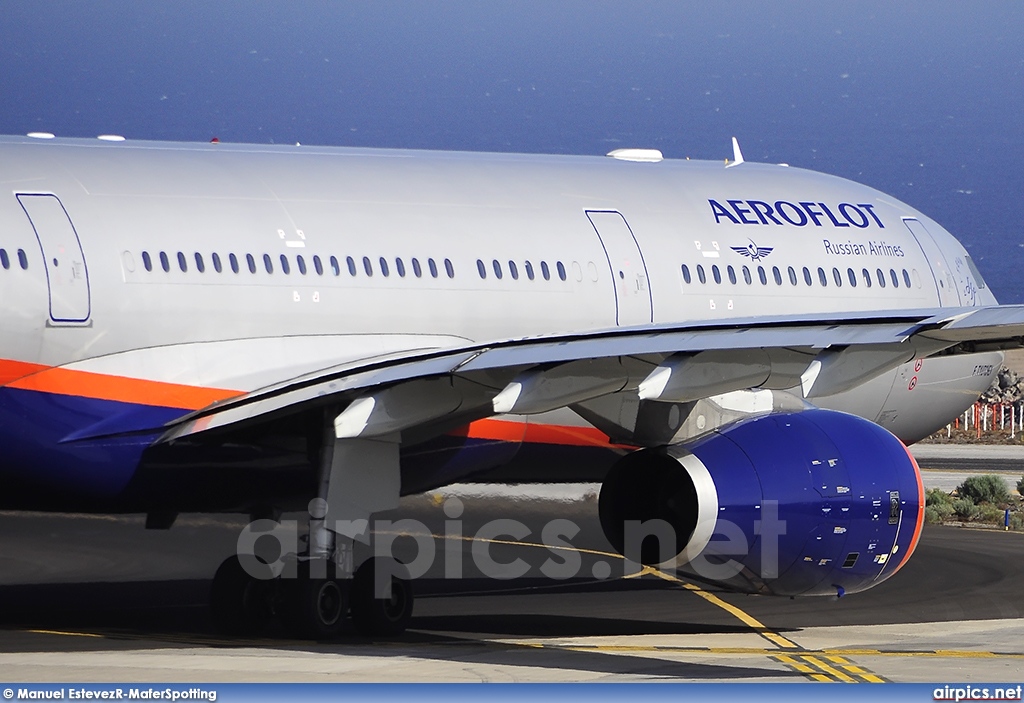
(140, 282)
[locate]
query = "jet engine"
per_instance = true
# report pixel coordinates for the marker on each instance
(814, 502)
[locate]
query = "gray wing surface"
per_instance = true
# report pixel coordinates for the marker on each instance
(424, 393)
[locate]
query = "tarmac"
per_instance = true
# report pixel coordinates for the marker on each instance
(98, 598)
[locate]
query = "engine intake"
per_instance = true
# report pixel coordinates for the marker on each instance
(815, 502)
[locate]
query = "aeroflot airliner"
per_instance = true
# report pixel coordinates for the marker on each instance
(214, 327)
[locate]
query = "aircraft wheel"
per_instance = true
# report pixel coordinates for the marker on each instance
(317, 604)
(374, 616)
(240, 603)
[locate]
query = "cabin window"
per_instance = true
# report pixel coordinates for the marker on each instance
(867, 277)
(513, 270)
(147, 260)
(561, 270)
(350, 264)
(881, 278)
(300, 263)
(822, 279)
(762, 276)
(367, 266)
(544, 271)
(894, 278)
(416, 269)
(318, 266)
(233, 261)
(529, 270)
(165, 263)
(732, 275)
(335, 266)
(200, 264)
(716, 274)
(746, 276)
(182, 262)
(906, 279)
(480, 269)
(700, 274)
(807, 277)
(268, 263)
(285, 266)
(400, 267)
(852, 275)
(217, 266)
(250, 260)
(384, 267)
(686, 273)
(497, 269)
(837, 277)
(792, 276)
(433, 268)
(777, 275)
(23, 259)
(449, 268)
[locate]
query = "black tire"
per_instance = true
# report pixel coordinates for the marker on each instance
(381, 617)
(239, 602)
(317, 604)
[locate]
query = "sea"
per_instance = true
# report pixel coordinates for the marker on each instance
(922, 100)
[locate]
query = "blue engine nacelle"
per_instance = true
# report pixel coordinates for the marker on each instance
(815, 502)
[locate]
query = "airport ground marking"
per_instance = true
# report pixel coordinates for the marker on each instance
(811, 666)
(744, 617)
(836, 669)
(65, 633)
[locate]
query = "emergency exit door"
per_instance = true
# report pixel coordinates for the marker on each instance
(626, 263)
(67, 277)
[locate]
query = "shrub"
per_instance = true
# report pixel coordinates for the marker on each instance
(965, 508)
(987, 488)
(1020, 486)
(936, 514)
(937, 496)
(990, 514)
(1016, 521)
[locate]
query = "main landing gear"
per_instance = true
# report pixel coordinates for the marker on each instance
(358, 475)
(316, 602)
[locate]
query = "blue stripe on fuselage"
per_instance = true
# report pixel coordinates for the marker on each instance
(42, 450)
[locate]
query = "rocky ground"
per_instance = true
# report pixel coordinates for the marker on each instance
(1007, 388)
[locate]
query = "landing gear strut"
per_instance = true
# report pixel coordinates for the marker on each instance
(357, 477)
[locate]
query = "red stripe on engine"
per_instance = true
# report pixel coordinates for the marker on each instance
(919, 524)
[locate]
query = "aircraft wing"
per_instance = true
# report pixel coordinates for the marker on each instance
(403, 393)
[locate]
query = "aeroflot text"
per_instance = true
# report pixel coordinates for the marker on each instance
(781, 212)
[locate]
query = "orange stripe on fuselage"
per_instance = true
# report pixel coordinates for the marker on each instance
(13, 370)
(86, 384)
(532, 433)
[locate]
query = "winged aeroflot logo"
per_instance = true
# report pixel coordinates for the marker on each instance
(754, 252)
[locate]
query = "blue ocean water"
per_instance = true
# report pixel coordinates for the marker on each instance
(921, 100)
